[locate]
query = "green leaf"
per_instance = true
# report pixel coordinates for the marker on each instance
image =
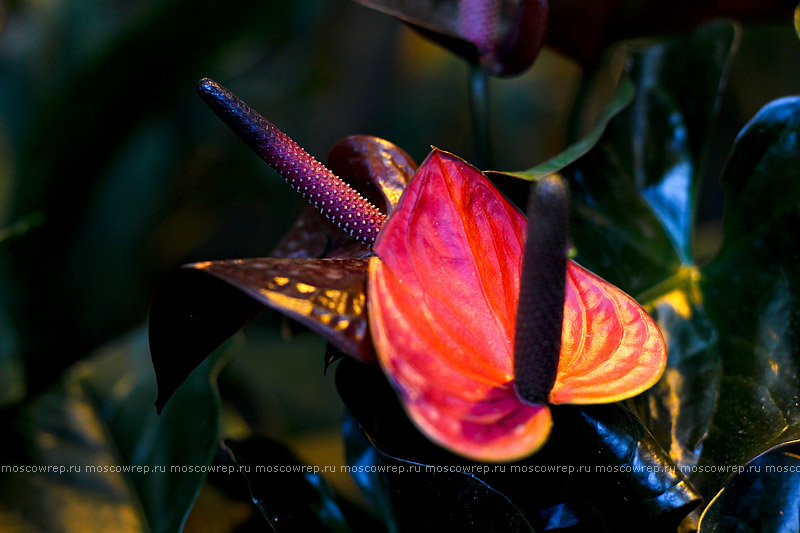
(415, 496)
(634, 196)
(763, 171)
(634, 193)
(764, 497)
(92, 454)
(676, 410)
(621, 98)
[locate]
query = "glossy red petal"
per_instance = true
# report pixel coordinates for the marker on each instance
(442, 295)
(610, 347)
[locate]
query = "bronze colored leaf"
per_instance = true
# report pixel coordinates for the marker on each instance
(202, 304)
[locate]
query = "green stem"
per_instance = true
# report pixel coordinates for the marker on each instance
(479, 111)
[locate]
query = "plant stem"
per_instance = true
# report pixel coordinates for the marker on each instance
(479, 111)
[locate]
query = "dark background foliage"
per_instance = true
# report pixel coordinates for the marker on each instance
(113, 172)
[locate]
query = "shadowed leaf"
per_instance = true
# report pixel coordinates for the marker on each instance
(565, 485)
(12, 371)
(764, 497)
(583, 29)
(730, 391)
(291, 496)
(422, 487)
(676, 410)
(110, 456)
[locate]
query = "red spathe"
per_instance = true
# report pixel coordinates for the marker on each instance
(442, 295)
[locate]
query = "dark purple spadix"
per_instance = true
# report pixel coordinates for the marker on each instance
(540, 313)
(334, 198)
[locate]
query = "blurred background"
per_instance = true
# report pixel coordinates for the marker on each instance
(113, 172)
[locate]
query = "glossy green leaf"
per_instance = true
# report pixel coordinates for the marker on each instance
(291, 496)
(590, 449)
(633, 215)
(762, 171)
(202, 304)
(634, 193)
(416, 496)
(57, 431)
(621, 98)
(676, 410)
(765, 496)
(92, 454)
(751, 292)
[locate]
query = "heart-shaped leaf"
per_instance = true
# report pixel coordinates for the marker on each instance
(93, 455)
(201, 305)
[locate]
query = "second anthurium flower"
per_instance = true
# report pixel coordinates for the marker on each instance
(443, 293)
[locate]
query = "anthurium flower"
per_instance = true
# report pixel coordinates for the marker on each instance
(503, 37)
(443, 293)
(476, 341)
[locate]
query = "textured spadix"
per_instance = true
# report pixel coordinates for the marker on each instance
(443, 291)
(540, 311)
(333, 197)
